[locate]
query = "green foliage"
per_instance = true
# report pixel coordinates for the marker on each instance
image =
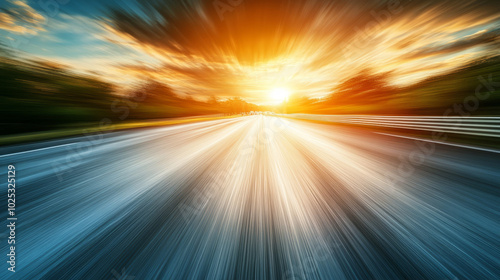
(435, 95)
(38, 96)
(369, 93)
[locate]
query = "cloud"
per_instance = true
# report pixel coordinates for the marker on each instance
(21, 18)
(327, 40)
(247, 47)
(253, 31)
(484, 38)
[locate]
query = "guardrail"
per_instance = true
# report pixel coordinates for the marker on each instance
(478, 126)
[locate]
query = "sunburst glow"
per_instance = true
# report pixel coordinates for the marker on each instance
(279, 94)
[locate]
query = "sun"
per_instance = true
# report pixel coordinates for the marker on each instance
(279, 94)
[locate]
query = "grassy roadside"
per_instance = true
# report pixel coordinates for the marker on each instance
(55, 134)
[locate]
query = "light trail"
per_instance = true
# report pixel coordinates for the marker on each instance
(257, 197)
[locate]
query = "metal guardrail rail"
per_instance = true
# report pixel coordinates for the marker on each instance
(477, 126)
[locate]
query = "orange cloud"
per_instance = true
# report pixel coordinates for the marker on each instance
(306, 46)
(21, 18)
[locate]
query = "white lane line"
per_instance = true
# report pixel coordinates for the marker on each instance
(443, 143)
(36, 150)
(399, 117)
(67, 144)
(468, 131)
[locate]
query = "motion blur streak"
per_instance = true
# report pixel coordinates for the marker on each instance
(255, 197)
(480, 126)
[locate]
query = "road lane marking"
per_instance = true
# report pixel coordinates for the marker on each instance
(444, 143)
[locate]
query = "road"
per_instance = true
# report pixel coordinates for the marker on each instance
(255, 197)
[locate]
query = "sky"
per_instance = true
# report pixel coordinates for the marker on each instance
(249, 48)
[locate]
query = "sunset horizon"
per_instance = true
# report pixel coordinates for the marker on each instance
(250, 139)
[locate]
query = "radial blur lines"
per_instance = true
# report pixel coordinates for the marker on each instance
(255, 197)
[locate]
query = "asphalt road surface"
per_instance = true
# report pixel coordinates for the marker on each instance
(255, 197)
